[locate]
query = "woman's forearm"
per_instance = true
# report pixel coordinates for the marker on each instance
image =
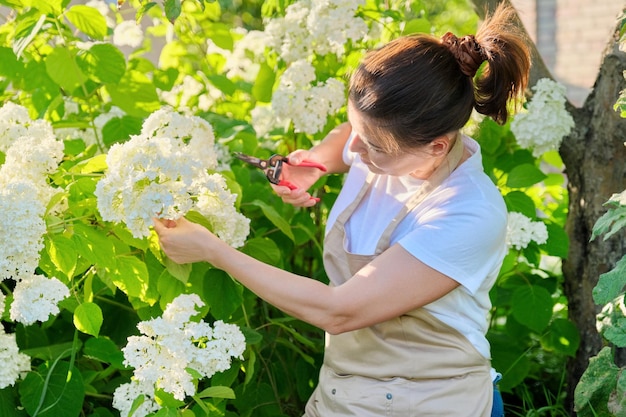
(301, 297)
(330, 150)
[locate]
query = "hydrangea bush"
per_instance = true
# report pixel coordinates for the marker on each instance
(102, 129)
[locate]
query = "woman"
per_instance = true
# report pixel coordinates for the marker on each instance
(415, 239)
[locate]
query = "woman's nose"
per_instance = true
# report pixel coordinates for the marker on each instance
(356, 144)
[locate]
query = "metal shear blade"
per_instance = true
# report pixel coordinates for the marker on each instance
(271, 166)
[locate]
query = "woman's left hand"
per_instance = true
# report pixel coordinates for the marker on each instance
(184, 241)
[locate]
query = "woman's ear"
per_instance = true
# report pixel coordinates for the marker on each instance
(441, 145)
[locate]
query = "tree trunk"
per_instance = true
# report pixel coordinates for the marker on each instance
(595, 163)
(594, 156)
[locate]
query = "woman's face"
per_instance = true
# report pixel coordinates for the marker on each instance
(419, 163)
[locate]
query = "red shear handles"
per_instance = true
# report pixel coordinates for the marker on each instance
(308, 164)
(305, 164)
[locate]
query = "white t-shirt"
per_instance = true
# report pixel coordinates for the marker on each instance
(459, 230)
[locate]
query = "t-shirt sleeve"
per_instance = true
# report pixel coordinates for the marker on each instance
(463, 240)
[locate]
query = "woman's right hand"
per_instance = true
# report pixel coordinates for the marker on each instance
(302, 177)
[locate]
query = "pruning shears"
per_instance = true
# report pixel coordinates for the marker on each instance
(273, 166)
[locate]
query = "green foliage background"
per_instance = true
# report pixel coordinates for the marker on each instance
(117, 281)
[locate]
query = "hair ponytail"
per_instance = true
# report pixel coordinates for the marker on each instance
(506, 76)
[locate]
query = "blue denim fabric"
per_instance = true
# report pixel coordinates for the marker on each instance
(498, 405)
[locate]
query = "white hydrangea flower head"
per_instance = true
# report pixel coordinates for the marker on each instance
(34, 157)
(15, 364)
(217, 204)
(521, 230)
(171, 344)
(315, 27)
(146, 177)
(21, 228)
(128, 33)
(332, 23)
(546, 122)
(240, 63)
(307, 106)
(15, 122)
(182, 309)
(263, 120)
(289, 35)
(36, 297)
(194, 131)
(125, 395)
(163, 172)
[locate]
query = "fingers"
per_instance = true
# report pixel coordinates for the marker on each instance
(297, 197)
(161, 225)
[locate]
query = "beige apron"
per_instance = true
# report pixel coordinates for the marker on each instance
(411, 366)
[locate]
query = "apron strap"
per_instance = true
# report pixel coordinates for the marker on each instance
(442, 172)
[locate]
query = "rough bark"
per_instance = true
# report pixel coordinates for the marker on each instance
(595, 159)
(594, 156)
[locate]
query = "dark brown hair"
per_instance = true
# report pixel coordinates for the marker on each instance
(418, 87)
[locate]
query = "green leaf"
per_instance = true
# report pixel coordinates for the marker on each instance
(510, 360)
(558, 241)
(276, 219)
(62, 253)
(167, 400)
(616, 334)
(169, 288)
(179, 271)
(135, 94)
(51, 7)
(92, 165)
(120, 129)
(126, 236)
(562, 336)
(610, 222)
(10, 67)
(172, 9)
(532, 307)
(104, 350)
(217, 392)
(63, 69)
(417, 26)
(520, 202)
(143, 10)
(88, 20)
(524, 175)
(263, 249)
(88, 318)
(131, 276)
(94, 246)
(222, 294)
(596, 384)
(610, 284)
(102, 62)
(9, 406)
(264, 84)
(50, 351)
(54, 392)
(618, 405)
(26, 31)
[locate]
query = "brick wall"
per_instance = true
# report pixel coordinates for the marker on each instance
(571, 36)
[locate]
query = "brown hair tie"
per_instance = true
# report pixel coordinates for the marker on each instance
(468, 53)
